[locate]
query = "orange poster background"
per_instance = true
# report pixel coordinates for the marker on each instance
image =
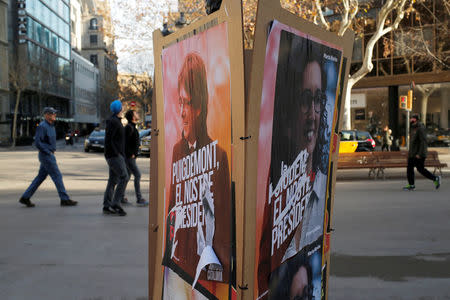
(212, 47)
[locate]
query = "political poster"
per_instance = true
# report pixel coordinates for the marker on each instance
(198, 211)
(301, 74)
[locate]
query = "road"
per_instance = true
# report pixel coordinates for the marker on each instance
(387, 244)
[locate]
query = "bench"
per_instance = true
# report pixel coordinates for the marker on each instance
(358, 160)
(377, 162)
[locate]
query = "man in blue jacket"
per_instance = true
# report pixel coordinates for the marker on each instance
(45, 141)
(115, 157)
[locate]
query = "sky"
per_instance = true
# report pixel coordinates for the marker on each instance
(134, 22)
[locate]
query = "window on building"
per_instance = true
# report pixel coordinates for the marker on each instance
(94, 59)
(93, 24)
(93, 39)
(74, 28)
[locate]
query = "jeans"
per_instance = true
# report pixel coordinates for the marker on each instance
(118, 175)
(419, 164)
(48, 167)
(133, 169)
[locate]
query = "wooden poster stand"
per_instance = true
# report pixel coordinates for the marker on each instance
(246, 91)
(269, 11)
(230, 12)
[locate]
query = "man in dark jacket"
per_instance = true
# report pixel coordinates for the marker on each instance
(45, 141)
(198, 203)
(417, 154)
(115, 157)
(132, 143)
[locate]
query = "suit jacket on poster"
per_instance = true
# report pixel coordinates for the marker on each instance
(266, 262)
(185, 255)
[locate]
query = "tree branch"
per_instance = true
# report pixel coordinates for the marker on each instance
(387, 8)
(323, 22)
(350, 7)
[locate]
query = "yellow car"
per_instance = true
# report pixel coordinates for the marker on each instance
(347, 143)
(347, 146)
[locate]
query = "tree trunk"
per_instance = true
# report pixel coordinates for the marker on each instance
(16, 110)
(347, 122)
(423, 109)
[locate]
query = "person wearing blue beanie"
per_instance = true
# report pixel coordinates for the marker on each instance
(115, 157)
(116, 107)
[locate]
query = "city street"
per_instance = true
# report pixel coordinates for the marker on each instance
(387, 243)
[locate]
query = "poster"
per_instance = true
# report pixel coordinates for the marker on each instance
(298, 103)
(197, 120)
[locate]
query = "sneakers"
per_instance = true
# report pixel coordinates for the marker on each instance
(125, 201)
(142, 202)
(26, 202)
(437, 182)
(118, 210)
(68, 202)
(409, 187)
(108, 211)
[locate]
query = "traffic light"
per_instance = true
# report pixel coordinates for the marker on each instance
(403, 102)
(409, 102)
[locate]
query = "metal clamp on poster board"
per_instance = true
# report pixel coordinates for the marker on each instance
(298, 74)
(199, 85)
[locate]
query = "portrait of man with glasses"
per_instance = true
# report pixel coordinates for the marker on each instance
(307, 72)
(199, 200)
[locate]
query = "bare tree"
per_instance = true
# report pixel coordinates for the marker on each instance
(346, 17)
(18, 78)
(138, 88)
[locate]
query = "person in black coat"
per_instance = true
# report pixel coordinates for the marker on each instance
(115, 157)
(132, 143)
(417, 154)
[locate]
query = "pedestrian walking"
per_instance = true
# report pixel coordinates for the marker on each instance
(45, 140)
(132, 143)
(418, 153)
(387, 139)
(115, 157)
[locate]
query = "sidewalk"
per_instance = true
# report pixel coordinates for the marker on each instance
(60, 146)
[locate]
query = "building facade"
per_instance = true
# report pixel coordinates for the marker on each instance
(40, 56)
(98, 47)
(415, 56)
(4, 73)
(85, 94)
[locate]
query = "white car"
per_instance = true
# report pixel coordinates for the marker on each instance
(145, 137)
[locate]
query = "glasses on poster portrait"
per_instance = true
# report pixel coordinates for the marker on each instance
(308, 100)
(307, 293)
(183, 102)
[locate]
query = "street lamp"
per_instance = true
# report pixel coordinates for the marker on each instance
(212, 6)
(165, 31)
(181, 21)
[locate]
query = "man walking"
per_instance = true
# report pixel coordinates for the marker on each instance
(417, 154)
(45, 141)
(132, 143)
(115, 157)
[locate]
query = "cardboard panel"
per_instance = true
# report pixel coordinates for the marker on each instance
(276, 63)
(214, 42)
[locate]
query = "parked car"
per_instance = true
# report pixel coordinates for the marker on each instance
(443, 137)
(364, 140)
(95, 141)
(146, 137)
(438, 136)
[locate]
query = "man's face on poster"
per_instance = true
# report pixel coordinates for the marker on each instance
(189, 115)
(310, 107)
